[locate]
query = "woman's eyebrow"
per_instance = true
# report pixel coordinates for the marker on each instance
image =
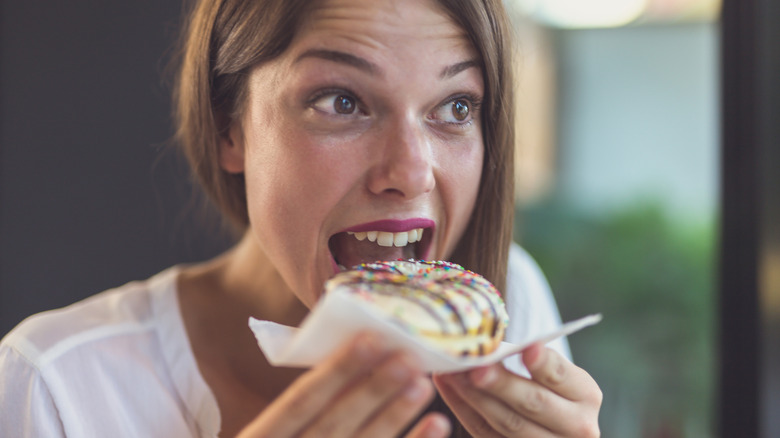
(371, 68)
(340, 57)
(452, 70)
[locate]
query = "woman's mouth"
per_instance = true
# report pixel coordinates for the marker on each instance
(381, 240)
(386, 239)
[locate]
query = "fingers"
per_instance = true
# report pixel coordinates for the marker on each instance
(486, 414)
(474, 423)
(314, 391)
(560, 399)
(362, 390)
(400, 412)
(388, 398)
(561, 376)
(525, 397)
(433, 425)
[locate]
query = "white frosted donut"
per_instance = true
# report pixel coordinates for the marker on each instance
(457, 310)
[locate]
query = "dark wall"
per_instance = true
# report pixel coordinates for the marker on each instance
(749, 319)
(92, 194)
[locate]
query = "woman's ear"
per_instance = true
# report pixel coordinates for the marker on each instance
(231, 150)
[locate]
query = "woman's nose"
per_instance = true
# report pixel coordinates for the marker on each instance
(405, 162)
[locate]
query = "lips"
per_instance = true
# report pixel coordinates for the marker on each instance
(381, 240)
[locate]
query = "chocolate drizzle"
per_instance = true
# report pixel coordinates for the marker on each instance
(445, 291)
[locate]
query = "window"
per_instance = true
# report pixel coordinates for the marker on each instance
(618, 197)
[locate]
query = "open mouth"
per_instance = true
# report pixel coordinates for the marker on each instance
(365, 245)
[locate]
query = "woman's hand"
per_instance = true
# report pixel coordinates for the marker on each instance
(559, 400)
(360, 391)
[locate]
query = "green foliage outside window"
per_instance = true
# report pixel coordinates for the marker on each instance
(653, 280)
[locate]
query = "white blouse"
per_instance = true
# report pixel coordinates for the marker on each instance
(119, 363)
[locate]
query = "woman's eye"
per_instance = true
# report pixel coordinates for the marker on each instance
(336, 104)
(460, 109)
(457, 111)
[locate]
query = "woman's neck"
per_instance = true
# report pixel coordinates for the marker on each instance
(216, 299)
(245, 275)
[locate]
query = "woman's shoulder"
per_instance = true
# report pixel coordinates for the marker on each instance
(524, 272)
(124, 310)
(118, 360)
(530, 301)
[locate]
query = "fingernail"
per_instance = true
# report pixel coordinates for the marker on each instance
(531, 355)
(438, 427)
(399, 370)
(484, 376)
(415, 391)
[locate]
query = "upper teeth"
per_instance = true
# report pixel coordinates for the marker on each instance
(383, 238)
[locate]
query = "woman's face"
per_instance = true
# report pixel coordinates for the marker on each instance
(364, 132)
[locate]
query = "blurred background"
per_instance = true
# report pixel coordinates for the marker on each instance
(92, 193)
(619, 190)
(618, 196)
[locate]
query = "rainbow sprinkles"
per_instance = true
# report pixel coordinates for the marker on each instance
(452, 308)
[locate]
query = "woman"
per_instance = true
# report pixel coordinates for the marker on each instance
(304, 121)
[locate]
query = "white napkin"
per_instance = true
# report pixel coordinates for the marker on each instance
(339, 316)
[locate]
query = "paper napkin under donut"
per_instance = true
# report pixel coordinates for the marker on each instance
(338, 317)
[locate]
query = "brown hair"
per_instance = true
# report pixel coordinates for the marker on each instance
(224, 39)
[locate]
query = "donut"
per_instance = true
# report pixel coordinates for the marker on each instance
(455, 310)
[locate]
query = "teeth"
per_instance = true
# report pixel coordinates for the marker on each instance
(384, 238)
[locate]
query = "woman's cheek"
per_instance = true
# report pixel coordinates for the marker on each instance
(465, 176)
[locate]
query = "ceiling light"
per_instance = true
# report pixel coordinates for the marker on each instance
(584, 13)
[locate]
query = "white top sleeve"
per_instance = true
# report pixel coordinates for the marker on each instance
(531, 306)
(117, 364)
(26, 405)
